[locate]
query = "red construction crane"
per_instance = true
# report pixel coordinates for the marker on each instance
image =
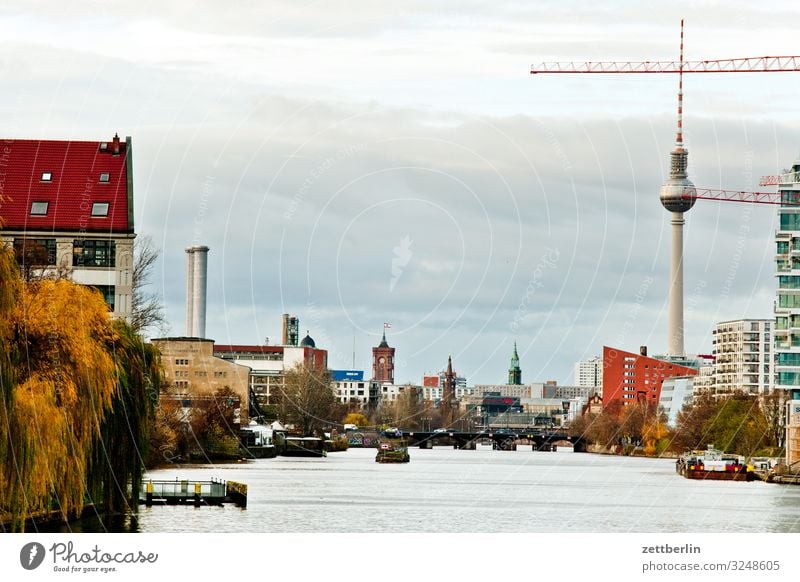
(740, 65)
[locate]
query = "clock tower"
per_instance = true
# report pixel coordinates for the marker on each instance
(383, 362)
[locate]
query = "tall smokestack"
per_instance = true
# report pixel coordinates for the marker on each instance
(196, 282)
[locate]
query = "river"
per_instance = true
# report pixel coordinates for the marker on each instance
(481, 491)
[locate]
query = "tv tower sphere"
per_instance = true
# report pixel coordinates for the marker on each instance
(677, 193)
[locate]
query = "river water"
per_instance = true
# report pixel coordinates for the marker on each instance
(445, 490)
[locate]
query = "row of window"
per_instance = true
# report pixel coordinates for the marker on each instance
(104, 177)
(181, 362)
(85, 252)
(41, 207)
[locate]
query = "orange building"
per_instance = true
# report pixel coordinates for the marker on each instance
(629, 377)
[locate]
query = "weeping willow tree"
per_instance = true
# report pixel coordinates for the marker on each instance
(119, 457)
(76, 403)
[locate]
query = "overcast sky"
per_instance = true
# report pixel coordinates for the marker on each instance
(356, 163)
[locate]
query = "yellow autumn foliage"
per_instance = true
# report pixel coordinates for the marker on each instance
(66, 383)
(62, 362)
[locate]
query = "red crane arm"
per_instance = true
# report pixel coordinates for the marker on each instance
(789, 199)
(743, 65)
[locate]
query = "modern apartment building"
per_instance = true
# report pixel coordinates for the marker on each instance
(743, 356)
(589, 372)
(787, 307)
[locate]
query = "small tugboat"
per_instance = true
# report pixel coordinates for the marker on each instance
(714, 465)
(392, 451)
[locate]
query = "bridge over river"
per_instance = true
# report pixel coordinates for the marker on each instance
(540, 439)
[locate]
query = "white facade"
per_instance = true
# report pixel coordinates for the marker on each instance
(509, 390)
(361, 392)
(675, 393)
(743, 356)
(589, 372)
(434, 393)
(267, 369)
(109, 269)
(704, 381)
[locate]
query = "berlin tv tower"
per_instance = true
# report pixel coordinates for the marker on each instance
(677, 196)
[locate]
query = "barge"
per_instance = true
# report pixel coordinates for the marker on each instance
(392, 451)
(714, 465)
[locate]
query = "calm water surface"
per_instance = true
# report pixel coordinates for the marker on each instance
(444, 490)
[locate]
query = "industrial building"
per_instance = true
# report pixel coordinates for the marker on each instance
(67, 208)
(192, 371)
(268, 364)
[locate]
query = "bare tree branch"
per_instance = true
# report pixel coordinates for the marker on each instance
(147, 309)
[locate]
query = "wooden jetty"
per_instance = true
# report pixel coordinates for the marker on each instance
(193, 492)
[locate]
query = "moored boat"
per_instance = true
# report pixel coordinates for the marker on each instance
(392, 451)
(714, 465)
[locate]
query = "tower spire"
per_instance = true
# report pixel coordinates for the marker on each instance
(514, 371)
(679, 137)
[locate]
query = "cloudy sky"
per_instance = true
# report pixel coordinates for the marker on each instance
(356, 163)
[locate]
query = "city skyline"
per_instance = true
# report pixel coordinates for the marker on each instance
(402, 166)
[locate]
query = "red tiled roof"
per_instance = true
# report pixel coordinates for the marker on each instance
(75, 185)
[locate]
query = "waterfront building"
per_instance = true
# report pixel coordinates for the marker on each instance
(675, 393)
(268, 364)
(193, 372)
(589, 373)
(350, 387)
(787, 306)
(514, 371)
(67, 208)
(629, 377)
(743, 356)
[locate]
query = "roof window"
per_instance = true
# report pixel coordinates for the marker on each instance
(103, 146)
(100, 209)
(105, 177)
(47, 177)
(39, 208)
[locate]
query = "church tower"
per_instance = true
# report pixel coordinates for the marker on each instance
(448, 403)
(383, 362)
(514, 371)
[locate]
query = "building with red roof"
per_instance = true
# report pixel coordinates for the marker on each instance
(67, 206)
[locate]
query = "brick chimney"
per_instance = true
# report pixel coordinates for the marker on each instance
(115, 145)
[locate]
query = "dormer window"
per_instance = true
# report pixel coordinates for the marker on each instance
(105, 177)
(39, 208)
(100, 209)
(47, 177)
